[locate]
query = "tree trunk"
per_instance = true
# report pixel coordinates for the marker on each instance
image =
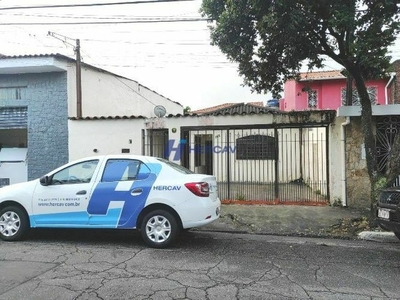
(368, 129)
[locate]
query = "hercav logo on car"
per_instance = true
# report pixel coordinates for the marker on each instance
(122, 192)
(166, 187)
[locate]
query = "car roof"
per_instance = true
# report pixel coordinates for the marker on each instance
(119, 156)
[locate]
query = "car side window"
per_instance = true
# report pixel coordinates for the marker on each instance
(121, 170)
(78, 173)
(143, 173)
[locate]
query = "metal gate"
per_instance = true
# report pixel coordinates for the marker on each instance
(155, 142)
(267, 164)
(387, 127)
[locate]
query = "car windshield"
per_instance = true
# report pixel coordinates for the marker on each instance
(176, 166)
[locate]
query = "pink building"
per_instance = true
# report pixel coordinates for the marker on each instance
(327, 90)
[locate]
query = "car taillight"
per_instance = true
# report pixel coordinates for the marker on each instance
(200, 189)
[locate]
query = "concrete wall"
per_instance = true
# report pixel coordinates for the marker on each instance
(336, 158)
(45, 95)
(99, 137)
(358, 184)
(111, 136)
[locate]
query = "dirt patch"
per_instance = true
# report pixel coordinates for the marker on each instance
(350, 227)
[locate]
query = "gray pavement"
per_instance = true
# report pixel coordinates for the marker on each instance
(310, 221)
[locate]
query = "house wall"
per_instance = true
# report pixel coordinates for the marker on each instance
(45, 95)
(337, 176)
(100, 137)
(105, 94)
(289, 92)
(48, 86)
(110, 136)
(329, 93)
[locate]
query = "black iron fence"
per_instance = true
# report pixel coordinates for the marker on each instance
(269, 164)
(278, 164)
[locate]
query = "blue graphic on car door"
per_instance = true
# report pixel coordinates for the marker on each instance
(121, 194)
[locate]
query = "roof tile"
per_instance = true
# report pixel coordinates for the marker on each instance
(235, 109)
(322, 75)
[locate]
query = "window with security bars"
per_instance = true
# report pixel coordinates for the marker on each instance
(12, 93)
(312, 99)
(258, 147)
(372, 93)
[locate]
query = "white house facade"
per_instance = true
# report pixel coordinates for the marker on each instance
(38, 93)
(266, 156)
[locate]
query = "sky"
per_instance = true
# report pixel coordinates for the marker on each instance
(175, 59)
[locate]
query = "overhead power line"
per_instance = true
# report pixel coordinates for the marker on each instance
(109, 22)
(90, 4)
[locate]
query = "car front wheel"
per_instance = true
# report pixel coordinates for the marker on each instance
(13, 223)
(159, 228)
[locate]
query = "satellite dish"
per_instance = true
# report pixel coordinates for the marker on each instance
(160, 111)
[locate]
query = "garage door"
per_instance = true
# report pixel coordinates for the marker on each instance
(13, 117)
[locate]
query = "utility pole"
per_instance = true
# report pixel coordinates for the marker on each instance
(77, 50)
(78, 80)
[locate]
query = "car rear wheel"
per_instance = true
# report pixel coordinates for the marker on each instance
(397, 234)
(13, 223)
(159, 228)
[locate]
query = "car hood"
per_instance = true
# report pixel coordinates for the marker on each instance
(11, 192)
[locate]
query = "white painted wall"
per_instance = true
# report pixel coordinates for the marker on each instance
(91, 137)
(103, 93)
(337, 158)
(110, 136)
(13, 164)
(106, 94)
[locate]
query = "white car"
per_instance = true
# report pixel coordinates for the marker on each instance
(124, 192)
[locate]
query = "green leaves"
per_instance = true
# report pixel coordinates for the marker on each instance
(271, 39)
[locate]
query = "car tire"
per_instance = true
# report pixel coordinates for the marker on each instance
(397, 234)
(159, 228)
(13, 223)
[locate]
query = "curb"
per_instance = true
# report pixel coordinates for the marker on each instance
(378, 236)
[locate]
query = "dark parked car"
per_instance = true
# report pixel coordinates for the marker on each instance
(388, 210)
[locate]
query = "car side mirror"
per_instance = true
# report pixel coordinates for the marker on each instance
(44, 180)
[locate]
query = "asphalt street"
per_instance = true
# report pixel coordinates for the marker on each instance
(83, 264)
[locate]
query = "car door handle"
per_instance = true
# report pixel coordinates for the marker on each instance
(136, 192)
(83, 192)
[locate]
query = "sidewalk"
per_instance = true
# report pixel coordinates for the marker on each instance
(311, 221)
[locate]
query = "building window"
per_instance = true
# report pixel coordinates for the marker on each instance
(256, 147)
(372, 92)
(312, 99)
(11, 93)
